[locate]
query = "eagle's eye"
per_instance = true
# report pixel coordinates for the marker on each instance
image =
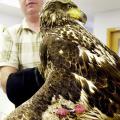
(69, 6)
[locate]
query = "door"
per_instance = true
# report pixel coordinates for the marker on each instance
(113, 39)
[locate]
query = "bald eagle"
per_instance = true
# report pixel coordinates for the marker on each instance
(82, 74)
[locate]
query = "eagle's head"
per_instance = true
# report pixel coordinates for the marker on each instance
(61, 12)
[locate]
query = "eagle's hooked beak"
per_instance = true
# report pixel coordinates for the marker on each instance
(77, 14)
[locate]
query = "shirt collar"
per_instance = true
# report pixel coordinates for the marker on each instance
(25, 25)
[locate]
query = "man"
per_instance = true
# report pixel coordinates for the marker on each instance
(19, 55)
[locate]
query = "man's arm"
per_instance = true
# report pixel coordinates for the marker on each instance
(20, 85)
(4, 73)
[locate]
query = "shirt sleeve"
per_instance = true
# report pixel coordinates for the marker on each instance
(8, 50)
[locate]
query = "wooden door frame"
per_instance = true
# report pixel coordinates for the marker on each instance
(109, 40)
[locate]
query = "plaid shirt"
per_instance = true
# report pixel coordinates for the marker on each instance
(20, 47)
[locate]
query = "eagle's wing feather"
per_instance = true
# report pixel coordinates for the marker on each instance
(74, 49)
(102, 69)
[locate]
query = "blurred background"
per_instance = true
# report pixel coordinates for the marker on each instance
(103, 22)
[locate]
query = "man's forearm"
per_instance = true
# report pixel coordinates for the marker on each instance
(4, 73)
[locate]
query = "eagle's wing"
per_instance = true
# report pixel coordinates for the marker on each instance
(78, 52)
(101, 66)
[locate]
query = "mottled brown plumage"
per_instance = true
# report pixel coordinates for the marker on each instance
(76, 66)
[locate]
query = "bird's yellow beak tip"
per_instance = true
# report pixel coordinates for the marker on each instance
(77, 14)
(74, 13)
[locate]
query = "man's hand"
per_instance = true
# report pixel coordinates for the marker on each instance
(4, 73)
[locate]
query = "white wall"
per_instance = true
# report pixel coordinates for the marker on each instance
(9, 20)
(103, 21)
(10, 13)
(89, 24)
(5, 105)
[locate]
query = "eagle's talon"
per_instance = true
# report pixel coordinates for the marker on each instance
(62, 112)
